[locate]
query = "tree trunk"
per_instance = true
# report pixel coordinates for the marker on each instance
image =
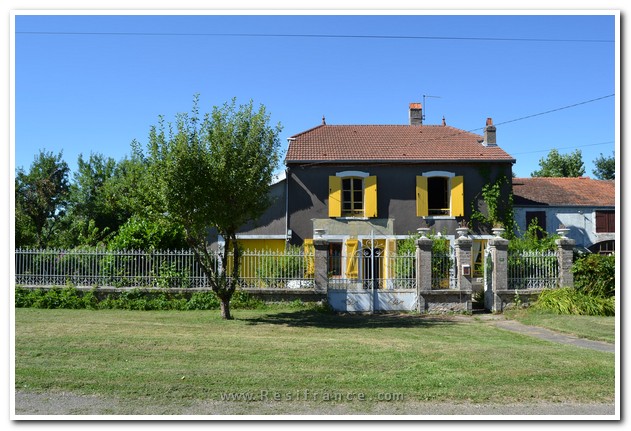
(225, 309)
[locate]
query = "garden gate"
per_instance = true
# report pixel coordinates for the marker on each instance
(371, 277)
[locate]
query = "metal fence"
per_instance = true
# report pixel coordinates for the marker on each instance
(368, 269)
(175, 269)
(533, 270)
(443, 270)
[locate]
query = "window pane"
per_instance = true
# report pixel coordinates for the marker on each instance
(437, 194)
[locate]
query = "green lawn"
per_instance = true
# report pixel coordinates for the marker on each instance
(591, 327)
(175, 357)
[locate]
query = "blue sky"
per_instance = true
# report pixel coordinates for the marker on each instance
(107, 79)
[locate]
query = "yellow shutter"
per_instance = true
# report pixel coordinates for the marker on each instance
(370, 197)
(351, 258)
(308, 251)
(391, 250)
(457, 197)
(422, 203)
(335, 197)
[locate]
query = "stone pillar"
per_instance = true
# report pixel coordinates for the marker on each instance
(565, 255)
(499, 275)
(423, 270)
(321, 264)
(463, 258)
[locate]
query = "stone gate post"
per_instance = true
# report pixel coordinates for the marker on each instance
(463, 262)
(321, 264)
(498, 248)
(423, 270)
(565, 256)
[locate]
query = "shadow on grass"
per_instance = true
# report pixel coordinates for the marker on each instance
(314, 318)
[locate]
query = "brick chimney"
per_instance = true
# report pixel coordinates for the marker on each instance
(416, 114)
(489, 134)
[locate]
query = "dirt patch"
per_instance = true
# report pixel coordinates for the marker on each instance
(68, 404)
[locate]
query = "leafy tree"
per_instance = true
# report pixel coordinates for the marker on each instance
(89, 220)
(215, 172)
(561, 165)
(40, 199)
(148, 233)
(605, 167)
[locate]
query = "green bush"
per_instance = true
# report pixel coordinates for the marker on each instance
(134, 299)
(274, 270)
(595, 274)
(203, 301)
(571, 301)
(243, 300)
(534, 239)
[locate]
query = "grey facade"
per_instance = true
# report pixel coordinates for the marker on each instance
(308, 197)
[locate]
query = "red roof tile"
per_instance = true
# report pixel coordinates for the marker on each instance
(390, 143)
(583, 191)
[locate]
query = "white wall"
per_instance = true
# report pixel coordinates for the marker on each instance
(580, 220)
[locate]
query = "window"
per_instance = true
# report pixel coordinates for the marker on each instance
(604, 247)
(439, 194)
(539, 217)
(605, 221)
(352, 197)
(352, 194)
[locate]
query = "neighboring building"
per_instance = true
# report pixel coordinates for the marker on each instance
(585, 206)
(353, 183)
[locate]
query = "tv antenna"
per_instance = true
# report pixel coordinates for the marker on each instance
(425, 106)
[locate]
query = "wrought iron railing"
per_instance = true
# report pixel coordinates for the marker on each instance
(533, 270)
(133, 268)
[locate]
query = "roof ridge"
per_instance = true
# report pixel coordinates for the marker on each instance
(307, 131)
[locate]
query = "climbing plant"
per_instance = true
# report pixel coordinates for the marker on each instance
(499, 210)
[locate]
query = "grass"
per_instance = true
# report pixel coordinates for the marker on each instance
(177, 357)
(598, 328)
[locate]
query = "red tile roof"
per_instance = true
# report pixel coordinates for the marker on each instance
(390, 143)
(583, 191)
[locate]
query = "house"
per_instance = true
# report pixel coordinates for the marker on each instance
(585, 206)
(363, 187)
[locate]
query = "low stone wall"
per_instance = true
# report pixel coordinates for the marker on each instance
(445, 301)
(505, 299)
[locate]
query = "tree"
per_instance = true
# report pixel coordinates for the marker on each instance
(561, 165)
(215, 172)
(40, 199)
(88, 220)
(605, 167)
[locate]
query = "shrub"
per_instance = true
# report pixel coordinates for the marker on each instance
(203, 301)
(595, 275)
(275, 270)
(534, 239)
(134, 299)
(571, 301)
(243, 300)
